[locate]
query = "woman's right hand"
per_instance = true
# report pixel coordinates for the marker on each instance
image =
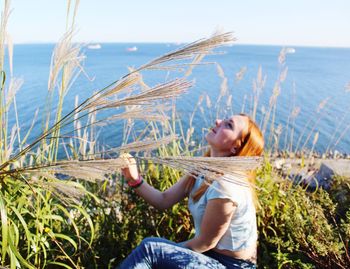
(130, 172)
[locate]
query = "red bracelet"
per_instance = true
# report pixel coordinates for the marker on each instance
(135, 183)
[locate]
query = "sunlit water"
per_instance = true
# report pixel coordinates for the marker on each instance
(314, 74)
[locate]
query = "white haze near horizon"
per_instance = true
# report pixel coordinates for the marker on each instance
(269, 22)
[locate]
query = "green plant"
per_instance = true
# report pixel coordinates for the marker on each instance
(297, 228)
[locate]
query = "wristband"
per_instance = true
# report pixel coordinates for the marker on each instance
(135, 183)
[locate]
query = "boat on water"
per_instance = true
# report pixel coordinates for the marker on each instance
(131, 49)
(94, 46)
(290, 50)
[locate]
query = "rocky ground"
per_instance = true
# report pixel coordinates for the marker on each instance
(313, 171)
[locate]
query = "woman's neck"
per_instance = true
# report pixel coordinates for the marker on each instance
(216, 153)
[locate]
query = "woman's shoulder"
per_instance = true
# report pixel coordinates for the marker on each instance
(229, 186)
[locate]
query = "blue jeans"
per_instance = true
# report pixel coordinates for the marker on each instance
(161, 253)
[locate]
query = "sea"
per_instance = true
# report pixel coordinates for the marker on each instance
(316, 88)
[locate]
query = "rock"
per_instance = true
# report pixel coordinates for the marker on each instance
(279, 163)
(287, 166)
(324, 176)
(314, 178)
(336, 154)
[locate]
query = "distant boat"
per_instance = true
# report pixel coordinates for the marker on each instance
(94, 46)
(134, 48)
(290, 50)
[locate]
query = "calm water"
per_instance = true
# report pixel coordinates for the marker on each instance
(313, 75)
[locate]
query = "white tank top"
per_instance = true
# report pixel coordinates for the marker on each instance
(242, 231)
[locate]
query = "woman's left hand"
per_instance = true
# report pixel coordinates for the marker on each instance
(130, 172)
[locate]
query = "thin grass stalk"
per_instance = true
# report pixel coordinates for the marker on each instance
(341, 135)
(272, 103)
(14, 86)
(272, 125)
(4, 38)
(276, 93)
(320, 108)
(285, 144)
(244, 104)
(65, 59)
(310, 133)
(258, 86)
(339, 126)
(313, 144)
(289, 120)
(295, 113)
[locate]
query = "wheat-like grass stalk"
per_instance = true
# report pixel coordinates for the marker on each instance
(65, 54)
(88, 170)
(5, 14)
(66, 62)
(213, 167)
(68, 192)
(202, 46)
(148, 113)
(272, 103)
(147, 98)
(223, 91)
(240, 74)
(93, 169)
(145, 145)
(166, 90)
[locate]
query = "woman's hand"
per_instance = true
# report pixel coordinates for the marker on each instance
(130, 172)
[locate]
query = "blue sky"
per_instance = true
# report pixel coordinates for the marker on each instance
(279, 22)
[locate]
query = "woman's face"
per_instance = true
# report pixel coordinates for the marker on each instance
(224, 136)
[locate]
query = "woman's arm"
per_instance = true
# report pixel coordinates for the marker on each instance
(166, 199)
(156, 198)
(216, 219)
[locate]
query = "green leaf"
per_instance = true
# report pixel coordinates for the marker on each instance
(65, 237)
(88, 219)
(25, 227)
(61, 264)
(19, 257)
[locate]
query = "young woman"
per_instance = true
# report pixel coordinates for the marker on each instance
(223, 212)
